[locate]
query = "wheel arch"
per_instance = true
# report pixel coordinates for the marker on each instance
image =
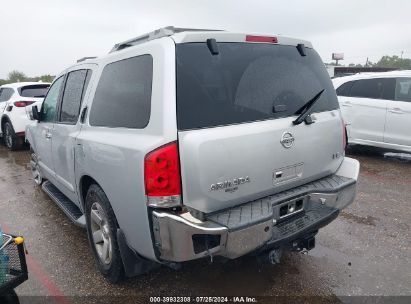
(85, 182)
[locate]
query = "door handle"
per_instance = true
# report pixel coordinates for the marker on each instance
(48, 134)
(396, 111)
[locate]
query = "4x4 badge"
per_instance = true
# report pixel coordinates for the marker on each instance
(287, 140)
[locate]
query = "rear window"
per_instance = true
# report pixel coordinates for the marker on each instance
(34, 91)
(245, 82)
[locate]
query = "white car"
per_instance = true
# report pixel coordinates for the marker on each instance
(376, 108)
(16, 101)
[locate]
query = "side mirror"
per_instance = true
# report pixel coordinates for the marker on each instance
(36, 114)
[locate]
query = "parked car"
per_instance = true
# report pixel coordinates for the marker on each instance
(377, 109)
(184, 144)
(16, 100)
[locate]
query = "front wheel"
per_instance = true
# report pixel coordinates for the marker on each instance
(102, 234)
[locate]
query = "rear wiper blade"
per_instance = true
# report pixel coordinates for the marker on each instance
(305, 110)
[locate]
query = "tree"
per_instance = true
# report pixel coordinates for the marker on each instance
(394, 62)
(16, 76)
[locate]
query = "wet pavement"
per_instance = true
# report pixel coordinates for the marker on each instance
(365, 251)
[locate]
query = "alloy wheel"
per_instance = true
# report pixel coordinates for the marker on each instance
(100, 231)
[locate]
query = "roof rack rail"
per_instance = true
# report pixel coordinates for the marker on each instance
(85, 58)
(159, 33)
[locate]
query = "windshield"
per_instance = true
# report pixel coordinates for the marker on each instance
(247, 82)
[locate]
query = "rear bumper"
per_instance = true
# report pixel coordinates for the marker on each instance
(255, 225)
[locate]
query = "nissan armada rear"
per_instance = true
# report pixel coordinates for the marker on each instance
(189, 144)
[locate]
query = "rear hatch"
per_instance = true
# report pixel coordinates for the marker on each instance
(235, 113)
(34, 95)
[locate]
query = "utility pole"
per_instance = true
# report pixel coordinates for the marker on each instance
(402, 52)
(366, 62)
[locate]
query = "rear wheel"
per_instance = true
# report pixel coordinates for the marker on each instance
(35, 170)
(102, 234)
(11, 140)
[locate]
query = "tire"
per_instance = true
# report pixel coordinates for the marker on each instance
(11, 140)
(102, 223)
(35, 169)
(9, 297)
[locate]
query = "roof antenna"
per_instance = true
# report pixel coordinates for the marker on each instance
(212, 46)
(301, 49)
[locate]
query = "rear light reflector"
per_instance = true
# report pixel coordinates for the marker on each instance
(162, 177)
(344, 127)
(263, 39)
(22, 104)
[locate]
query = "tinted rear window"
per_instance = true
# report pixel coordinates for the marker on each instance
(376, 88)
(5, 94)
(34, 91)
(123, 94)
(73, 96)
(345, 89)
(245, 81)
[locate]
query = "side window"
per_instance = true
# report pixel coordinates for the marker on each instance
(377, 88)
(72, 96)
(6, 94)
(403, 89)
(123, 94)
(50, 102)
(388, 88)
(344, 89)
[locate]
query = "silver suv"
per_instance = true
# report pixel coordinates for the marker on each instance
(183, 144)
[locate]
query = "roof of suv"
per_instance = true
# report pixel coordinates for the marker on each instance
(185, 35)
(340, 80)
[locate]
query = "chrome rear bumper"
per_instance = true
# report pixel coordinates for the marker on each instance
(238, 231)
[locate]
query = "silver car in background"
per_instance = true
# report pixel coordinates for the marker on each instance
(183, 144)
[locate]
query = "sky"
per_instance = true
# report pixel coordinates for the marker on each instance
(45, 36)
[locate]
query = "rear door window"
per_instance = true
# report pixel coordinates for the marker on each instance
(247, 82)
(345, 89)
(375, 88)
(35, 91)
(403, 89)
(123, 94)
(6, 94)
(73, 95)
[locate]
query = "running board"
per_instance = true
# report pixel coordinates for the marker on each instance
(68, 207)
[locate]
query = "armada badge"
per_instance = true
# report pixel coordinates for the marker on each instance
(230, 185)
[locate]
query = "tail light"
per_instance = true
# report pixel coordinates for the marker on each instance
(22, 104)
(162, 177)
